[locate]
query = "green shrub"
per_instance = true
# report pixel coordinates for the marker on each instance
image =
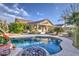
(58, 30)
(16, 27)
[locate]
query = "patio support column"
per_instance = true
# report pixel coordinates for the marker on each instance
(42, 28)
(46, 28)
(37, 27)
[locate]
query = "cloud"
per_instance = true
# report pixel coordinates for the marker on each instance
(20, 10)
(12, 12)
(11, 15)
(15, 5)
(7, 9)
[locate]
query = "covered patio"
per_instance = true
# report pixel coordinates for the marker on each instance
(42, 26)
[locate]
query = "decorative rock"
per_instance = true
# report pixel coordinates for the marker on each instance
(34, 51)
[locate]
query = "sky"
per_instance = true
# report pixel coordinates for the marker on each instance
(33, 11)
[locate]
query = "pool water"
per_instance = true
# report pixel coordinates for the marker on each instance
(52, 46)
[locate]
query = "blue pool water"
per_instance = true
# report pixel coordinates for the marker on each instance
(52, 46)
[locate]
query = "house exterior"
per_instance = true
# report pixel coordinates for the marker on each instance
(41, 26)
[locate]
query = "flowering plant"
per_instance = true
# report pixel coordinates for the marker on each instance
(4, 39)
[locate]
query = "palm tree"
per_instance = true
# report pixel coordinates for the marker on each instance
(75, 21)
(73, 18)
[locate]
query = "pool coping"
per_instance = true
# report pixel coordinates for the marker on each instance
(29, 35)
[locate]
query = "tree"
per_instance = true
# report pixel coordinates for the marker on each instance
(58, 30)
(16, 27)
(32, 28)
(4, 26)
(72, 17)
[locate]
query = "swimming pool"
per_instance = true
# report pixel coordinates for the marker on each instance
(51, 44)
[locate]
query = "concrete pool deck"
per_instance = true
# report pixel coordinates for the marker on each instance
(16, 52)
(67, 48)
